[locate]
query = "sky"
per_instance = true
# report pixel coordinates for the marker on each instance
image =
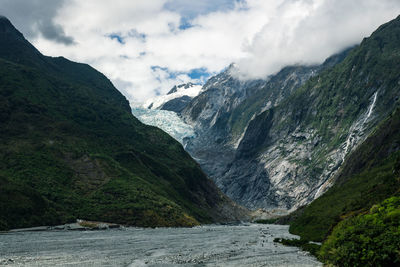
(145, 47)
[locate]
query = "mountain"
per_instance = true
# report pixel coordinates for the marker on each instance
(278, 143)
(315, 129)
(208, 113)
(70, 148)
(370, 174)
(358, 218)
(326, 135)
(231, 119)
(176, 99)
(163, 111)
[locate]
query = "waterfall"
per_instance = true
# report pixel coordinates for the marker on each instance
(371, 107)
(358, 126)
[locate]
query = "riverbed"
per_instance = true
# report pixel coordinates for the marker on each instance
(211, 245)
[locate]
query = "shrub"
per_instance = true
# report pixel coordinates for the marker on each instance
(371, 239)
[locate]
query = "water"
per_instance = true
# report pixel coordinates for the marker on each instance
(243, 245)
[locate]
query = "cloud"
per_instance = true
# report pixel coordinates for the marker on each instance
(36, 17)
(193, 9)
(146, 47)
(307, 32)
(53, 32)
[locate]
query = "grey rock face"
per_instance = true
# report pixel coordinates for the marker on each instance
(177, 87)
(177, 104)
(259, 147)
(224, 147)
(209, 114)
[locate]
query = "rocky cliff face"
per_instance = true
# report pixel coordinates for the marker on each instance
(231, 126)
(209, 113)
(278, 143)
(226, 105)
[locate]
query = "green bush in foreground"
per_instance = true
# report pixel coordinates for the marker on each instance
(371, 239)
(301, 243)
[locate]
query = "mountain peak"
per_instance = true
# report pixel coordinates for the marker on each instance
(231, 68)
(14, 47)
(6, 27)
(183, 92)
(177, 87)
(3, 18)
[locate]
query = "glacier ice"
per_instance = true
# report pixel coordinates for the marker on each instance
(166, 120)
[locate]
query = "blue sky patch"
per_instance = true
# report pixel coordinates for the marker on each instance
(138, 35)
(200, 74)
(192, 9)
(120, 38)
(185, 24)
(115, 36)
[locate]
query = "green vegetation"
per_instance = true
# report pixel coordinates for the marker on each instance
(342, 93)
(278, 87)
(341, 201)
(301, 243)
(70, 148)
(371, 239)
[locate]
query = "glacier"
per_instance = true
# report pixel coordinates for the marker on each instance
(167, 121)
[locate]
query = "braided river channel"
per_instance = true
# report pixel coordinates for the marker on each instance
(210, 245)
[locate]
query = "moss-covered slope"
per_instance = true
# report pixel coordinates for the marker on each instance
(70, 148)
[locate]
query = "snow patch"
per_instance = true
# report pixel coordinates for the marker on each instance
(192, 91)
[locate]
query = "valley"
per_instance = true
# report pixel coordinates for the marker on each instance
(278, 143)
(319, 142)
(217, 172)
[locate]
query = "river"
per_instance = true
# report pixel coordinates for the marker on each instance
(211, 245)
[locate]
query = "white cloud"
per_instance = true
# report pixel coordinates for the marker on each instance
(307, 32)
(260, 35)
(36, 17)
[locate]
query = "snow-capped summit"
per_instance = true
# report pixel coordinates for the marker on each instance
(176, 99)
(179, 87)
